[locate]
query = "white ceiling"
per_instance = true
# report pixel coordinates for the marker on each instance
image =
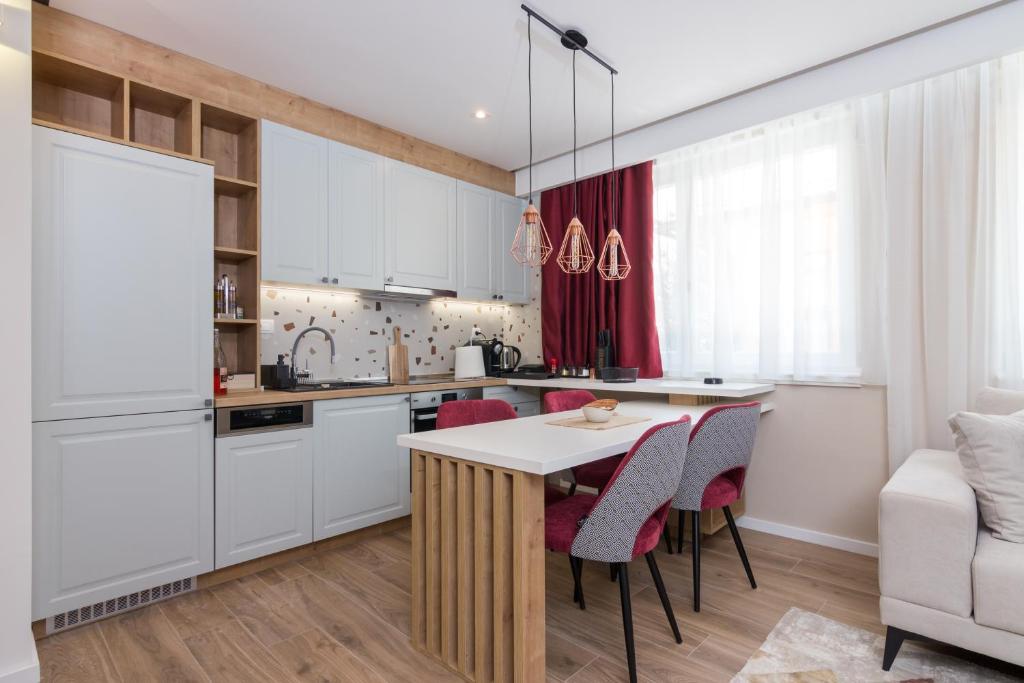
(422, 67)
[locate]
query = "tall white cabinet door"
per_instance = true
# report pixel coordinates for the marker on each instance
(356, 218)
(293, 227)
(511, 278)
(360, 474)
(475, 242)
(420, 227)
(121, 279)
(264, 494)
(119, 504)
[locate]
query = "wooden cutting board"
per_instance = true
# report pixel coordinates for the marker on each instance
(398, 360)
(583, 423)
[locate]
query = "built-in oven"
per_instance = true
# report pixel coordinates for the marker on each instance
(424, 405)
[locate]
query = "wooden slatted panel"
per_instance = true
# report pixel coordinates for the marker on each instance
(419, 577)
(483, 575)
(503, 573)
(528, 575)
(466, 616)
(449, 562)
(433, 554)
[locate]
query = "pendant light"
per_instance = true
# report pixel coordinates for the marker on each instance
(614, 262)
(531, 245)
(576, 256)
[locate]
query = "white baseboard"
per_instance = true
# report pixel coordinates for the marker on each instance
(808, 535)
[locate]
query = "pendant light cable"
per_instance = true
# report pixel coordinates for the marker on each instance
(529, 88)
(575, 206)
(614, 187)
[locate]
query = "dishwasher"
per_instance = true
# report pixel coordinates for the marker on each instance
(263, 481)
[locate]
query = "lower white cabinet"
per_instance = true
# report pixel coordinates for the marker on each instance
(360, 474)
(264, 494)
(119, 504)
(524, 400)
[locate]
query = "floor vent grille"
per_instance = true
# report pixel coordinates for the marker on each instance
(123, 603)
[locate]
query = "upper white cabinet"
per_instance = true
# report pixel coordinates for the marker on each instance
(356, 217)
(121, 277)
(360, 474)
(295, 230)
(511, 278)
(119, 504)
(476, 208)
(420, 227)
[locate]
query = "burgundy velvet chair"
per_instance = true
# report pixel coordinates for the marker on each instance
(593, 474)
(716, 464)
(625, 520)
(464, 413)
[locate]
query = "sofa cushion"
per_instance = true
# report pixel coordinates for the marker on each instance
(992, 401)
(927, 531)
(991, 449)
(999, 583)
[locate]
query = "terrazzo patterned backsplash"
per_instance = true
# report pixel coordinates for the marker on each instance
(362, 329)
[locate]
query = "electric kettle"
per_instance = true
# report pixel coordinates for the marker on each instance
(509, 358)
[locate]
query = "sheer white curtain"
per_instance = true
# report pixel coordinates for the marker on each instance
(768, 250)
(955, 204)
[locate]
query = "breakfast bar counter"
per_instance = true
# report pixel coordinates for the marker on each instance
(478, 533)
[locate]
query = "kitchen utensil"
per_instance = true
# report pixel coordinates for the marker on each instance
(509, 358)
(469, 362)
(398, 359)
(613, 375)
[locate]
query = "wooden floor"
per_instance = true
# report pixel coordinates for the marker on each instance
(343, 615)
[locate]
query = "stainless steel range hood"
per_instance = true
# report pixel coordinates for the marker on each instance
(403, 293)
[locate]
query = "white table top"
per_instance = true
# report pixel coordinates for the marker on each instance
(531, 445)
(651, 386)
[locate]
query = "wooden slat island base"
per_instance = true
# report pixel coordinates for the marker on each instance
(478, 568)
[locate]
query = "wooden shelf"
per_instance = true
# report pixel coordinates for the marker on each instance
(232, 255)
(160, 119)
(230, 140)
(234, 187)
(71, 94)
(234, 321)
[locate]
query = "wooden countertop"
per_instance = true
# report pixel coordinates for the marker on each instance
(253, 397)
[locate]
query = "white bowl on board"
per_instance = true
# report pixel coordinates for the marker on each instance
(593, 414)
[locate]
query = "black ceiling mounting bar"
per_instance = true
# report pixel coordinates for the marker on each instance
(572, 39)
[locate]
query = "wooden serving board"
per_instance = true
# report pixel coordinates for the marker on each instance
(398, 360)
(583, 423)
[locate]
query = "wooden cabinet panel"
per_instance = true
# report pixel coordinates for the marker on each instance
(476, 209)
(119, 504)
(294, 223)
(360, 474)
(420, 224)
(122, 276)
(264, 493)
(356, 214)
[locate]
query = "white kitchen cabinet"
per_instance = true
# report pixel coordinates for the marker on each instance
(121, 279)
(119, 504)
(360, 474)
(524, 400)
(420, 227)
(294, 197)
(356, 218)
(476, 207)
(264, 494)
(511, 279)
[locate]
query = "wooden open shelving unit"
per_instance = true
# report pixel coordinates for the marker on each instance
(76, 97)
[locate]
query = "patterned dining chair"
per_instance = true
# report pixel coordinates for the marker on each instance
(625, 520)
(480, 411)
(716, 464)
(593, 474)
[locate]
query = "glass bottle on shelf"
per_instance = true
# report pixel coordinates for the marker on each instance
(220, 366)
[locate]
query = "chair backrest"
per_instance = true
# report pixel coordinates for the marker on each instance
(641, 488)
(478, 411)
(571, 399)
(721, 442)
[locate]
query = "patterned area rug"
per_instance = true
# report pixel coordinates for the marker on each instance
(808, 648)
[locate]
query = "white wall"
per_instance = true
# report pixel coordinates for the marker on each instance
(17, 649)
(973, 39)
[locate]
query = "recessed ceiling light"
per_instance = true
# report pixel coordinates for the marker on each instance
(480, 114)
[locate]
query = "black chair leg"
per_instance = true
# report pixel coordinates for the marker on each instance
(627, 620)
(663, 594)
(668, 540)
(572, 488)
(613, 571)
(739, 545)
(695, 518)
(679, 541)
(894, 638)
(577, 578)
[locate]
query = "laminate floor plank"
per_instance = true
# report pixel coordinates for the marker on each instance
(77, 656)
(145, 647)
(282, 573)
(231, 654)
(316, 657)
(262, 609)
(194, 613)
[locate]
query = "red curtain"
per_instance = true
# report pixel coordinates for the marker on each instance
(575, 307)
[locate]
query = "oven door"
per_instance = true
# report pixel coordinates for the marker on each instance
(424, 419)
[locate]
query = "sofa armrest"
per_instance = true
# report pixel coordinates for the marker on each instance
(927, 533)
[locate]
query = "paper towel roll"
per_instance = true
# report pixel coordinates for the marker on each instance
(469, 362)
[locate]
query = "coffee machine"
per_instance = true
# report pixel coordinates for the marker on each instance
(492, 355)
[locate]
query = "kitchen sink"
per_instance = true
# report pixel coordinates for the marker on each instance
(332, 385)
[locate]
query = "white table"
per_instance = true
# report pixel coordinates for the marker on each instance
(478, 533)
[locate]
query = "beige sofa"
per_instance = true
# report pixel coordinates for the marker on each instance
(942, 574)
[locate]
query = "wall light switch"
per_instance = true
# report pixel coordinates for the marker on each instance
(266, 326)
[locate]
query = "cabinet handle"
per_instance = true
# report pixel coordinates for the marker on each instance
(389, 278)
(208, 402)
(208, 418)
(334, 281)
(324, 279)
(501, 296)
